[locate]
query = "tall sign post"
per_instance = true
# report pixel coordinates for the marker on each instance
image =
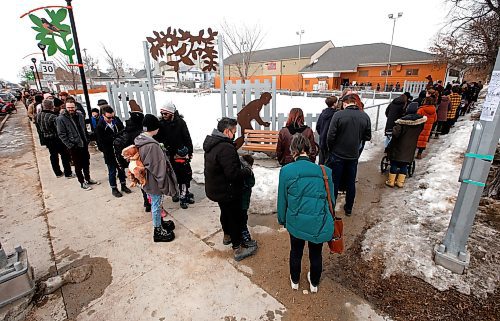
(451, 253)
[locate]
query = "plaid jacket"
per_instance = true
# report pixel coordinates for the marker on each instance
(455, 100)
(46, 120)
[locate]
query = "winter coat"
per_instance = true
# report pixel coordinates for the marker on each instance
(455, 101)
(443, 108)
(182, 170)
(224, 174)
(248, 184)
(125, 138)
(285, 138)
(348, 128)
(72, 133)
(323, 124)
(160, 177)
(428, 111)
(394, 111)
(302, 201)
(46, 122)
(105, 136)
(404, 138)
(174, 135)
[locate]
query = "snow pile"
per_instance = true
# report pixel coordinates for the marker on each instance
(414, 219)
(265, 191)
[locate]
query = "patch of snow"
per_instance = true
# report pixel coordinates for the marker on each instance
(260, 229)
(265, 191)
(364, 312)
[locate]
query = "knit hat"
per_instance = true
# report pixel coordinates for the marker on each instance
(102, 102)
(182, 152)
(58, 102)
(168, 108)
(134, 107)
(150, 123)
(412, 108)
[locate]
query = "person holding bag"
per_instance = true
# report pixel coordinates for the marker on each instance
(304, 210)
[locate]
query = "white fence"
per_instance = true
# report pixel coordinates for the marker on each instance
(414, 87)
(119, 97)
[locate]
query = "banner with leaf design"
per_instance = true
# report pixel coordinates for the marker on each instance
(54, 33)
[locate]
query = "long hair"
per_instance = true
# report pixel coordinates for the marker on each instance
(295, 118)
(359, 103)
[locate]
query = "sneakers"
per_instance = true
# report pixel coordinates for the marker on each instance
(168, 225)
(247, 239)
(116, 192)
(184, 203)
(85, 186)
(295, 286)
(226, 240)
(314, 289)
(162, 235)
(190, 198)
(92, 182)
(125, 189)
(242, 252)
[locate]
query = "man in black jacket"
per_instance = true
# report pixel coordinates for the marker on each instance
(174, 134)
(46, 121)
(348, 129)
(224, 177)
(106, 130)
(322, 127)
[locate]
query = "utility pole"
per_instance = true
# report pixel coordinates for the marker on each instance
(451, 253)
(299, 33)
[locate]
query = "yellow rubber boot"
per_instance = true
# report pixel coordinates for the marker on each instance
(400, 182)
(390, 180)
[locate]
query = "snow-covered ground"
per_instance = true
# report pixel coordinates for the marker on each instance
(414, 219)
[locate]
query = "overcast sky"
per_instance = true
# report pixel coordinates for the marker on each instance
(123, 25)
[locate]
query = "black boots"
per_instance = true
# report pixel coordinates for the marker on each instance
(247, 239)
(125, 189)
(184, 203)
(169, 225)
(116, 192)
(162, 235)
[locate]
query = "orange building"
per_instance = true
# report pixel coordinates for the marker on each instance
(325, 67)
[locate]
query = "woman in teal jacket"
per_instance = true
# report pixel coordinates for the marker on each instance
(303, 209)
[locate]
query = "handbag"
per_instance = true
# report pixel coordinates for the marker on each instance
(336, 244)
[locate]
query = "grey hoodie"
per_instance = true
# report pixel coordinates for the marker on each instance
(160, 178)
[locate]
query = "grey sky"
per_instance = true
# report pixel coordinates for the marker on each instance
(123, 25)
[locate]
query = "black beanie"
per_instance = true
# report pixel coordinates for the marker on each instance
(150, 123)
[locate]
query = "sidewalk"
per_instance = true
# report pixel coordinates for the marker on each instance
(134, 278)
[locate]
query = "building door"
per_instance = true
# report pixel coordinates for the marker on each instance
(345, 82)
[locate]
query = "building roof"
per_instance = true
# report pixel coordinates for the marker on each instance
(94, 73)
(289, 52)
(348, 58)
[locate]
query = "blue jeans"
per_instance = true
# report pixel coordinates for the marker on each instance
(344, 172)
(156, 201)
(112, 169)
(399, 167)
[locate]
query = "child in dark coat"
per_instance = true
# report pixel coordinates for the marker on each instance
(182, 169)
(248, 183)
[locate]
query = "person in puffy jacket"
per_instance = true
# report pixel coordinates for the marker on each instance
(304, 211)
(393, 112)
(428, 109)
(442, 112)
(294, 124)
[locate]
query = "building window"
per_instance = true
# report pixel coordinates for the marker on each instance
(454, 73)
(386, 73)
(307, 82)
(363, 73)
(412, 72)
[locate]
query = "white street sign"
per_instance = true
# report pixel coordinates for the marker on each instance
(47, 68)
(49, 77)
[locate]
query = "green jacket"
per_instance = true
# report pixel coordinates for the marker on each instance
(302, 201)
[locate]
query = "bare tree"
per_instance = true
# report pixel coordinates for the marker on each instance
(242, 41)
(471, 36)
(115, 64)
(67, 74)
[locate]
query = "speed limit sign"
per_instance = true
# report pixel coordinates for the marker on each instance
(47, 67)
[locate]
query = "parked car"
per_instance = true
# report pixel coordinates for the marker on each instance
(7, 97)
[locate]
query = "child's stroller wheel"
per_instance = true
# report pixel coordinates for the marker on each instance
(411, 169)
(384, 164)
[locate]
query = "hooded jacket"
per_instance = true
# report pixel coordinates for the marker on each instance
(323, 124)
(394, 111)
(71, 132)
(404, 138)
(443, 108)
(285, 138)
(224, 174)
(160, 178)
(105, 137)
(428, 111)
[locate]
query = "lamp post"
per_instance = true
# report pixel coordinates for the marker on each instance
(33, 60)
(42, 48)
(299, 33)
(394, 18)
(34, 77)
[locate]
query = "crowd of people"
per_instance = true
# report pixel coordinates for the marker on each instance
(165, 150)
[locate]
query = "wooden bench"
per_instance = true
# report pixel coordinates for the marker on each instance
(261, 140)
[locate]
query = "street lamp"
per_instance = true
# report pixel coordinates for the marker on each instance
(34, 77)
(391, 16)
(33, 60)
(42, 48)
(299, 33)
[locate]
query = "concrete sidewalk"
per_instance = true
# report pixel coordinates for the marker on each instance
(134, 278)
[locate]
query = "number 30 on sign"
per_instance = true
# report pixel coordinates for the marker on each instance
(47, 67)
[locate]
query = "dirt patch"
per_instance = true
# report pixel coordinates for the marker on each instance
(77, 296)
(408, 298)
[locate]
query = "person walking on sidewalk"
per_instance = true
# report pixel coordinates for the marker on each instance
(304, 211)
(46, 121)
(106, 130)
(160, 177)
(224, 177)
(348, 129)
(72, 132)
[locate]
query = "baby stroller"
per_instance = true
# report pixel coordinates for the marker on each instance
(385, 163)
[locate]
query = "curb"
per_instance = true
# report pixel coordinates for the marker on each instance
(4, 121)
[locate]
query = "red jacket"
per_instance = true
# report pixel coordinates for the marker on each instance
(428, 111)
